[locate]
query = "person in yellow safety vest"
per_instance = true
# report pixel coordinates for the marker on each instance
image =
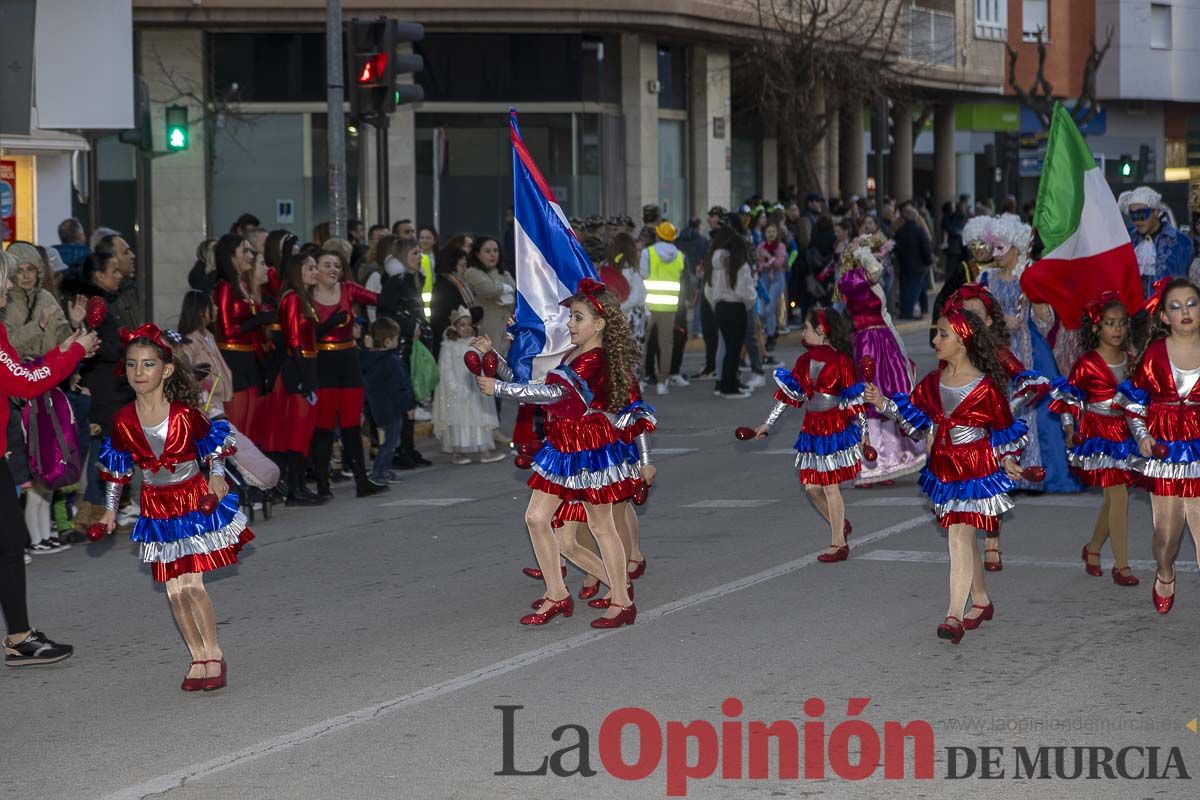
(427, 240)
(663, 266)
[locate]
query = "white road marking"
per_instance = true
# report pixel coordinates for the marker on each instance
(195, 772)
(907, 500)
(778, 451)
(1061, 500)
(730, 503)
(928, 557)
(437, 502)
(672, 451)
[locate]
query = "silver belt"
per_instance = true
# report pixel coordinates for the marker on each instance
(823, 402)
(1105, 409)
(963, 434)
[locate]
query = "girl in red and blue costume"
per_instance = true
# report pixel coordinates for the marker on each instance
(829, 447)
(1102, 454)
(972, 461)
(583, 457)
(1162, 407)
(188, 525)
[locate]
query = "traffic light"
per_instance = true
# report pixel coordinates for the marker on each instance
(374, 66)
(177, 128)
(1145, 163)
(1125, 166)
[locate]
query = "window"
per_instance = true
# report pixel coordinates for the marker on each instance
(672, 76)
(930, 37)
(1160, 26)
(269, 66)
(991, 19)
(1035, 17)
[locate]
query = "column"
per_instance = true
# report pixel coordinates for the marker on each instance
(901, 185)
(402, 158)
(854, 151)
(709, 113)
(639, 66)
(770, 168)
(832, 179)
(816, 174)
(944, 158)
(177, 182)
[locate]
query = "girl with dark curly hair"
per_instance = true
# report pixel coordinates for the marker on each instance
(973, 459)
(584, 457)
(1101, 453)
(189, 524)
(829, 448)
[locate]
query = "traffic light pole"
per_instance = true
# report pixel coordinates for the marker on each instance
(336, 127)
(381, 168)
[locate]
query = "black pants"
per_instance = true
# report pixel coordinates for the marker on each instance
(13, 536)
(731, 320)
(708, 327)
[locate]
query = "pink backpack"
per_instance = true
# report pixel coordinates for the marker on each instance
(52, 440)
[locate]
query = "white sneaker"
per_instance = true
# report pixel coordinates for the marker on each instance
(422, 415)
(735, 395)
(28, 560)
(493, 457)
(755, 380)
(662, 389)
(128, 515)
(678, 380)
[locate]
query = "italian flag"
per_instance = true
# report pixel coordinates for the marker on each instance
(1087, 248)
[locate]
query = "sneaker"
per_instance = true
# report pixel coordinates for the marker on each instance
(28, 560)
(771, 361)
(35, 649)
(73, 537)
(661, 389)
(128, 515)
(422, 415)
(492, 458)
(43, 547)
(678, 380)
(784, 331)
(704, 376)
(460, 460)
(388, 478)
(756, 380)
(736, 395)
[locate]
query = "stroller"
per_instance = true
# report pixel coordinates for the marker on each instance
(248, 493)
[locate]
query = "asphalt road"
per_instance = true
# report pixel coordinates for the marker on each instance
(370, 641)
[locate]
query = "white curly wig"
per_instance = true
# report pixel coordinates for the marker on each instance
(1007, 229)
(976, 229)
(1141, 196)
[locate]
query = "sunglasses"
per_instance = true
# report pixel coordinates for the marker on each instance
(1140, 214)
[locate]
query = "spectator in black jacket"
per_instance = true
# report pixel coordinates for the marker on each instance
(400, 295)
(389, 393)
(913, 255)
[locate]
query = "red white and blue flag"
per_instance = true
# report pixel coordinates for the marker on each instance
(550, 263)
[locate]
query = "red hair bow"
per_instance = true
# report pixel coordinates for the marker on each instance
(1095, 309)
(973, 291)
(591, 289)
(1156, 295)
(149, 331)
(958, 323)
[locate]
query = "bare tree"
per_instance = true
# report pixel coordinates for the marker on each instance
(1039, 97)
(810, 57)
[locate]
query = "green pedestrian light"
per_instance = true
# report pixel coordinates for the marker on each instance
(177, 128)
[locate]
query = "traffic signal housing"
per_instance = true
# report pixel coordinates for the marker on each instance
(1125, 167)
(374, 66)
(177, 128)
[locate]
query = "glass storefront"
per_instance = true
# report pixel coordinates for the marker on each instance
(672, 170)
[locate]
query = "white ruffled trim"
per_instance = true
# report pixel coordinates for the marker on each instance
(592, 480)
(167, 552)
(1012, 448)
(1101, 461)
(1154, 468)
(831, 462)
(990, 506)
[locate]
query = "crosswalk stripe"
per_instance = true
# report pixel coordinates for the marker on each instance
(730, 503)
(929, 557)
(436, 502)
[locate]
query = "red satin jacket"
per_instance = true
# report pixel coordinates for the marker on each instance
(28, 381)
(351, 294)
(299, 331)
(836, 374)
(187, 424)
(234, 311)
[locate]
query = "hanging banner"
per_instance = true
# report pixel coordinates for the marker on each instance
(8, 201)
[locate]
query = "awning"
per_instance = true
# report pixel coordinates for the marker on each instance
(41, 141)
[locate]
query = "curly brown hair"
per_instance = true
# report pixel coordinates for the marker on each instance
(180, 386)
(838, 334)
(983, 351)
(1158, 328)
(621, 351)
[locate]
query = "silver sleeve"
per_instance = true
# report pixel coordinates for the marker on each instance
(503, 370)
(1137, 426)
(889, 408)
(539, 394)
(643, 445)
(776, 413)
(1067, 420)
(217, 467)
(112, 496)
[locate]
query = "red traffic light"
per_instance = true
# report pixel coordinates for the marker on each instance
(372, 69)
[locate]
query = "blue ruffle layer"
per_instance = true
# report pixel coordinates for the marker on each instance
(787, 381)
(829, 444)
(1134, 394)
(208, 444)
(1183, 452)
(973, 489)
(1099, 446)
(195, 523)
(572, 377)
(911, 415)
(637, 406)
(854, 392)
(564, 465)
(1014, 432)
(1061, 384)
(117, 462)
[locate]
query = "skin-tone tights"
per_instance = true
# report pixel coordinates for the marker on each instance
(193, 611)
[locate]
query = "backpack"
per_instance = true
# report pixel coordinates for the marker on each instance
(52, 440)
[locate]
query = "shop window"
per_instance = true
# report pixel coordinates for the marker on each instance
(268, 67)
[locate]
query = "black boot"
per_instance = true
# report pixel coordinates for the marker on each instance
(298, 495)
(322, 450)
(411, 458)
(352, 453)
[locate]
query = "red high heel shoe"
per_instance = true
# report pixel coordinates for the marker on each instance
(1161, 604)
(992, 566)
(639, 570)
(536, 574)
(626, 617)
(1125, 578)
(971, 624)
(953, 633)
(1093, 569)
(847, 529)
(588, 592)
(605, 602)
(220, 681)
(838, 554)
(566, 607)
(193, 684)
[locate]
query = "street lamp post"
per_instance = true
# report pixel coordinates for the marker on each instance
(336, 119)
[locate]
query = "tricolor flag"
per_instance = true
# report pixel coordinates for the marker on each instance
(1087, 248)
(550, 262)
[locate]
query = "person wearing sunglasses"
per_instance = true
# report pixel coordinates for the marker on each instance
(1162, 251)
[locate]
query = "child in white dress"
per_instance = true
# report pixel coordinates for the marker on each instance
(464, 419)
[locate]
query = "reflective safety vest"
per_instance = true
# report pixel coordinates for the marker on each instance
(662, 287)
(427, 288)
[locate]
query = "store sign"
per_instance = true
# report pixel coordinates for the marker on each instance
(8, 201)
(285, 210)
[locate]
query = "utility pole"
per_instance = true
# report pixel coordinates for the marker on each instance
(334, 67)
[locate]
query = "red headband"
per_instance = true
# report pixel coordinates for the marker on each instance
(590, 289)
(973, 291)
(1095, 309)
(1156, 295)
(822, 322)
(146, 331)
(958, 324)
